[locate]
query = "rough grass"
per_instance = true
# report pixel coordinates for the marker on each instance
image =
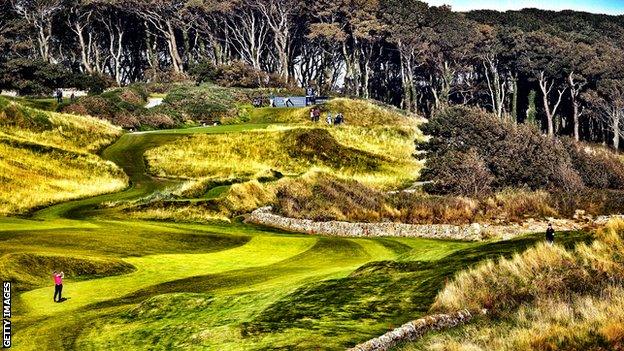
(547, 298)
(365, 113)
(291, 152)
(47, 157)
(375, 148)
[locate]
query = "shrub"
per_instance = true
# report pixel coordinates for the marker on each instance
(460, 173)
(204, 72)
(33, 77)
(156, 120)
(93, 83)
(598, 168)
(516, 155)
(239, 74)
(18, 116)
(121, 106)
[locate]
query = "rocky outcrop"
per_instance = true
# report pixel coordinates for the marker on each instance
(414, 330)
(469, 232)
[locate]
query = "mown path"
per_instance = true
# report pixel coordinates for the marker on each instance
(219, 286)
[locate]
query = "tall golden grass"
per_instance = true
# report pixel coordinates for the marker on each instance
(47, 157)
(547, 298)
(251, 154)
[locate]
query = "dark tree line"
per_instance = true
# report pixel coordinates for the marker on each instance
(562, 70)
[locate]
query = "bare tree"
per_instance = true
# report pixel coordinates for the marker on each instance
(576, 87)
(40, 14)
(279, 15)
(79, 20)
(165, 16)
(608, 106)
(249, 32)
(550, 107)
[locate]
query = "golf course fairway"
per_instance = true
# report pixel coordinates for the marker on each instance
(220, 286)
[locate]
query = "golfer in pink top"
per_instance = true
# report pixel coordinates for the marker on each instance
(58, 284)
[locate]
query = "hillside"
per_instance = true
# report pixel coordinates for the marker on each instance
(547, 298)
(247, 169)
(48, 157)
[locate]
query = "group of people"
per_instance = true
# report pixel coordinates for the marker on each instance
(257, 102)
(59, 96)
(335, 120)
(330, 119)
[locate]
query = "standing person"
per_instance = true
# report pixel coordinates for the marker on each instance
(329, 119)
(272, 101)
(72, 97)
(311, 115)
(550, 234)
(317, 114)
(338, 119)
(58, 285)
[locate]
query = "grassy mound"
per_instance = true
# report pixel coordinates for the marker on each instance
(29, 270)
(366, 113)
(290, 152)
(46, 157)
(320, 196)
(547, 298)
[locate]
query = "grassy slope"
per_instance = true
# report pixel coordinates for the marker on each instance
(47, 157)
(547, 298)
(366, 149)
(219, 286)
(374, 147)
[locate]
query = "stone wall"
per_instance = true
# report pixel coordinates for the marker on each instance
(414, 330)
(470, 232)
(264, 216)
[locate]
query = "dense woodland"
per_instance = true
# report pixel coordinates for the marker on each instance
(562, 70)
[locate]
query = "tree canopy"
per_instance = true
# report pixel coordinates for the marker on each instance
(556, 66)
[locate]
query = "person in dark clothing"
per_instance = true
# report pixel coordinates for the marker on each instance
(550, 234)
(339, 119)
(58, 285)
(59, 96)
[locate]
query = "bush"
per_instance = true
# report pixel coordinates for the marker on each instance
(598, 168)
(239, 74)
(15, 115)
(324, 197)
(204, 72)
(460, 173)
(516, 155)
(94, 84)
(33, 77)
(121, 106)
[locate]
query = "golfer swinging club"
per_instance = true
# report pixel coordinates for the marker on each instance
(58, 285)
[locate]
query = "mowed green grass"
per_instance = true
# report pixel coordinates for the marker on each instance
(139, 285)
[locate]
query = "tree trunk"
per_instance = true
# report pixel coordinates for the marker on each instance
(176, 60)
(615, 125)
(546, 87)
